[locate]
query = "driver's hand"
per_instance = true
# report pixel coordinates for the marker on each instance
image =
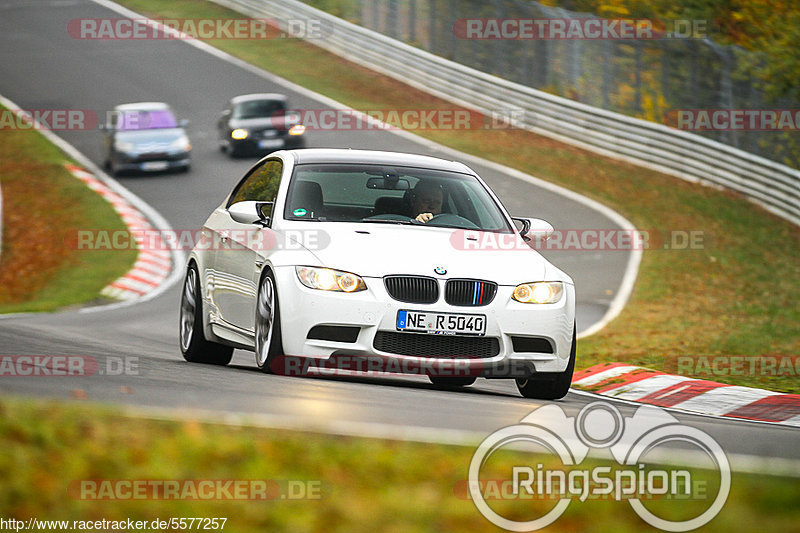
(424, 217)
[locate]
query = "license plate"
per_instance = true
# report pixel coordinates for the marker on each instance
(155, 165)
(270, 143)
(441, 323)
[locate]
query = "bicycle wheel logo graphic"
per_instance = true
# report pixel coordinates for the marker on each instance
(600, 425)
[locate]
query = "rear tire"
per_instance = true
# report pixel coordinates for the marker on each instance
(267, 324)
(194, 346)
(553, 387)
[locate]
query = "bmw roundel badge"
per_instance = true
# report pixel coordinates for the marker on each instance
(440, 270)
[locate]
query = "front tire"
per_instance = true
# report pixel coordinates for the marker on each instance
(267, 324)
(194, 346)
(234, 152)
(550, 388)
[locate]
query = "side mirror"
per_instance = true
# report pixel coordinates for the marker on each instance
(534, 228)
(183, 122)
(251, 212)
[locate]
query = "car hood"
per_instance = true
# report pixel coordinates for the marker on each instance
(377, 250)
(161, 136)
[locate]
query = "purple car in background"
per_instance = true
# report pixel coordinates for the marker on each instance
(145, 137)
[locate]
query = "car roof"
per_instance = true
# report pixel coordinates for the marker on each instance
(257, 96)
(143, 106)
(337, 155)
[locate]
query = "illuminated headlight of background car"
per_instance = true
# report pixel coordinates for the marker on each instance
(239, 134)
(181, 144)
(297, 129)
(327, 279)
(541, 292)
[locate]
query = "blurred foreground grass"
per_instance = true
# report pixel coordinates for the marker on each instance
(366, 485)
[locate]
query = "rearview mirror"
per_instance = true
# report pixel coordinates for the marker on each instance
(389, 183)
(251, 212)
(534, 228)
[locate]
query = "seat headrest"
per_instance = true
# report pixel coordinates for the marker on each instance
(307, 195)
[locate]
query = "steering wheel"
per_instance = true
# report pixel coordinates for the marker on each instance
(388, 216)
(449, 219)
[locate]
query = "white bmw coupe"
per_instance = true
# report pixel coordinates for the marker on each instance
(378, 256)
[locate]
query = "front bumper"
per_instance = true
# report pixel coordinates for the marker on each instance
(257, 145)
(374, 313)
(151, 162)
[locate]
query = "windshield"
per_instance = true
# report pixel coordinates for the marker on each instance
(391, 195)
(258, 109)
(133, 120)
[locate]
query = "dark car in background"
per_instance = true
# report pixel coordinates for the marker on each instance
(256, 124)
(146, 137)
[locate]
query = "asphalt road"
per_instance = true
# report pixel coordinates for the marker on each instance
(43, 67)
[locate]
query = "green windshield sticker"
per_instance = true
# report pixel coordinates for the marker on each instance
(299, 212)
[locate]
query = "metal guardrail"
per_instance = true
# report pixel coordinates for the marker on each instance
(678, 153)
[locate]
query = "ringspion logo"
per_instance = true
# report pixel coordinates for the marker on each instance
(600, 425)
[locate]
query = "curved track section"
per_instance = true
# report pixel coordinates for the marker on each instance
(44, 68)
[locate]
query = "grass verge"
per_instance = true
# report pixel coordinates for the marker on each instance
(363, 484)
(736, 296)
(43, 206)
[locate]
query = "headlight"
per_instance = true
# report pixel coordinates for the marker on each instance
(297, 129)
(181, 143)
(239, 134)
(542, 292)
(326, 279)
(123, 146)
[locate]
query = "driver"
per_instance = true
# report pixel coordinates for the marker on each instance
(426, 201)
